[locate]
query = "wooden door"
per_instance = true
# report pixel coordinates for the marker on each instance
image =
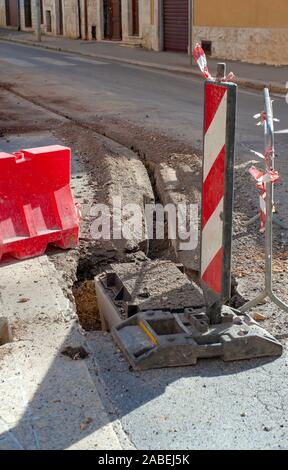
(12, 13)
(135, 17)
(115, 20)
(7, 12)
(28, 13)
(41, 12)
(59, 17)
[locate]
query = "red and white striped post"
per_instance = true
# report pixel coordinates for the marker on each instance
(217, 189)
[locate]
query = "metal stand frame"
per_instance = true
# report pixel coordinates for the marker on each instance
(269, 143)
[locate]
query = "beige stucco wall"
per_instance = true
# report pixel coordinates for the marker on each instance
(253, 31)
(242, 13)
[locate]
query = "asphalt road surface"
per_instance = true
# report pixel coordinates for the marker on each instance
(156, 100)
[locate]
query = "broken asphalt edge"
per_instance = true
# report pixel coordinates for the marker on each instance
(244, 83)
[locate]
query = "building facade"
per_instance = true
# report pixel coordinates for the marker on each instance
(134, 22)
(130, 21)
(58, 17)
(251, 30)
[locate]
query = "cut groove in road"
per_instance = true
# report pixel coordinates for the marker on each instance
(83, 289)
(156, 248)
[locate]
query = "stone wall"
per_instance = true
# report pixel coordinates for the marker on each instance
(49, 6)
(93, 18)
(148, 22)
(251, 31)
(70, 18)
(2, 13)
(254, 45)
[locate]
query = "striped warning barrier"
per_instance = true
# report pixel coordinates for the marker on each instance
(217, 189)
(36, 202)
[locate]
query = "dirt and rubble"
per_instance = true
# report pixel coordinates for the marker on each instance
(105, 153)
(156, 285)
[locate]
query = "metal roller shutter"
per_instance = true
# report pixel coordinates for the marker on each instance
(176, 25)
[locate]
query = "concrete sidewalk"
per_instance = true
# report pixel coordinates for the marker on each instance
(248, 75)
(48, 401)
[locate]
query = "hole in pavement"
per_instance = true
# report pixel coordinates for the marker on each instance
(84, 293)
(87, 305)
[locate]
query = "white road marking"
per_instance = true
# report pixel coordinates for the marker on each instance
(16, 62)
(50, 61)
(89, 61)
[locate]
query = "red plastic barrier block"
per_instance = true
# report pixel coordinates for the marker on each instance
(36, 202)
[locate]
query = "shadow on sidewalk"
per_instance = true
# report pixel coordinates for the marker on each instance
(65, 412)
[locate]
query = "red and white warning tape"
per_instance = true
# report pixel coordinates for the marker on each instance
(200, 58)
(262, 178)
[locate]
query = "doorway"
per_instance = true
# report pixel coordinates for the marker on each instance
(48, 21)
(112, 20)
(59, 17)
(27, 14)
(135, 17)
(12, 13)
(176, 25)
(79, 19)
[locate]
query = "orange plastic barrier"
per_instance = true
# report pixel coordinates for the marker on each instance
(36, 202)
